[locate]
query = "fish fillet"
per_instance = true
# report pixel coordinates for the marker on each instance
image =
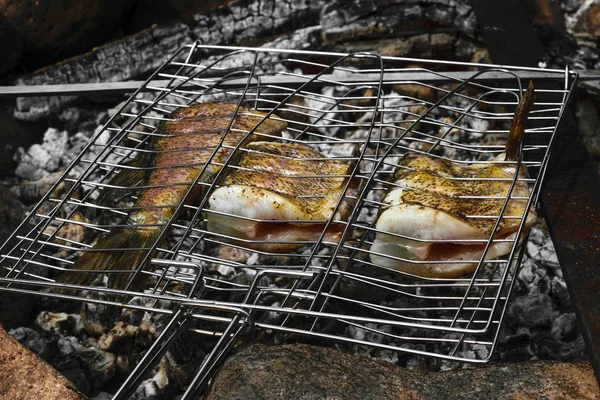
(291, 183)
(437, 206)
(425, 206)
(161, 179)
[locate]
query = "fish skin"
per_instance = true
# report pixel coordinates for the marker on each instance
(179, 152)
(278, 182)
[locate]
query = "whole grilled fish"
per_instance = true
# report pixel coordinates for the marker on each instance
(426, 206)
(291, 183)
(179, 152)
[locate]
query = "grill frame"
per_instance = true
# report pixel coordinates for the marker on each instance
(192, 304)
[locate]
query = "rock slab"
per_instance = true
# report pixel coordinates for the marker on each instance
(310, 372)
(23, 375)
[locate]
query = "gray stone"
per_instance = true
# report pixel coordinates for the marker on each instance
(310, 372)
(24, 376)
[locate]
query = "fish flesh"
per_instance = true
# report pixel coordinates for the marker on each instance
(439, 214)
(177, 155)
(279, 197)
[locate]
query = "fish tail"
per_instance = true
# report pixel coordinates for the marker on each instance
(123, 249)
(517, 128)
(127, 180)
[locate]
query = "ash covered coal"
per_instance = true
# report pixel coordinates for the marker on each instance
(97, 359)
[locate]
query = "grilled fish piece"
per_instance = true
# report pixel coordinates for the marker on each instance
(283, 193)
(178, 155)
(429, 216)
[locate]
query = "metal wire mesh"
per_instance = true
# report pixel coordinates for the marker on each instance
(364, 110)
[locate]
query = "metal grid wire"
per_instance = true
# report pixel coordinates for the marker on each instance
(364, 110)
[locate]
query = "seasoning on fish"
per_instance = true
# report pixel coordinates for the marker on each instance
(178, 154)
(430, 215)
(290, 183)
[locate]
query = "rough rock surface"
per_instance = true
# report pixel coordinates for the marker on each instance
(588, 121)
(15, 309)
(309, 372)
(23, 375)
(51, 30)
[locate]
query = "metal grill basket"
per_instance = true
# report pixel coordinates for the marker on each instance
(362, 109)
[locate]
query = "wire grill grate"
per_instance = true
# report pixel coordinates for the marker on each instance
(362, 109)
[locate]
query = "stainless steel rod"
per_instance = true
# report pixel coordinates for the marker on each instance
(82, 89)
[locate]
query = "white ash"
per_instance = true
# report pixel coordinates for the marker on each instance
(267, 61)
(41, 159)
(253, 259)
(225, 270)
(323, 113)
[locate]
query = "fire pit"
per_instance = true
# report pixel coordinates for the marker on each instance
(362, 109)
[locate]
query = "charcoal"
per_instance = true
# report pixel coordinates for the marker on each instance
(31, 191)
(72, 369)
(102, 396)
(99, 318)
(184, 356)
(119, 340)
(31, 339)
(347, 20)
(100, 365)
(59, 322)
(68, 345)
(245, 20)
(560, 292)
(41, 159)
(588, 19)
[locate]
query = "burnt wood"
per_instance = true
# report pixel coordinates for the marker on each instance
(571, 194)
